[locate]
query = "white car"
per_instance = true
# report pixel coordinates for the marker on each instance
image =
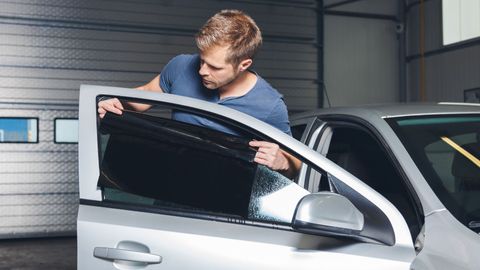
(156, 193)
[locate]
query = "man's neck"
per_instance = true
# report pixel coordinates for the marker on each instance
(240, 86)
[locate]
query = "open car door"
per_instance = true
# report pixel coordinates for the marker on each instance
(157, 193)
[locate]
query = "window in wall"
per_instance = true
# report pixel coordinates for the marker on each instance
(66, 130)
(18, 130)
(461, 20)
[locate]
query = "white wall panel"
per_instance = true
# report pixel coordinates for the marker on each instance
(361, 60)
(449, 70)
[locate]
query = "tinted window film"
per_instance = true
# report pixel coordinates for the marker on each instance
(18, 130)
(149, 159)
(66, 130)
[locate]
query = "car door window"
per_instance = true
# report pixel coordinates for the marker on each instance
(156, 162)
(357, 151)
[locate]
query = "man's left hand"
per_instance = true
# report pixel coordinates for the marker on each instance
(270, 155)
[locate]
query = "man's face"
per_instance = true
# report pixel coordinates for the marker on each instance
(214, 70)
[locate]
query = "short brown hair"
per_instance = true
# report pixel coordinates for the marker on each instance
(233, 28)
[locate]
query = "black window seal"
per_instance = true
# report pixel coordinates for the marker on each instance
(26, 118)
(55, 129)
(187, 214)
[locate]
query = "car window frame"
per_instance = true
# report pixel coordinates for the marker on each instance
(90, 195)
(333, 121)
(185, 213)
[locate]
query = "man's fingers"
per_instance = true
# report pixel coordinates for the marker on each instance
(111, 105)
(262, 144)
(265, 156)
(113, 109)
(261, 161)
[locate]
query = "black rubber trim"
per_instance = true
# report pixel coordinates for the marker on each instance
(185, 214)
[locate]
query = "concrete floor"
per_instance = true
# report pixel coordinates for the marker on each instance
(37, 254)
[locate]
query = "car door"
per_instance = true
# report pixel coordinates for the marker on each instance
(359, 150)
(156, 193)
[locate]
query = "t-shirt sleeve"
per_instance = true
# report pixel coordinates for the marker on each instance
(171, 72)
(279, 117)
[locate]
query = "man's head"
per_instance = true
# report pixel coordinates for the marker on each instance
(227, 43)
(234, 29)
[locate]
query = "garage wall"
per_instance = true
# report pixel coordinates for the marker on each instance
(361, 52)
(39, 180)
(449, 70)
(48, 48)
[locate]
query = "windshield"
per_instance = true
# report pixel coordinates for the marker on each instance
(446, 149)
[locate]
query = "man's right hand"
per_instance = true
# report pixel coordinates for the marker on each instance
(109, 105)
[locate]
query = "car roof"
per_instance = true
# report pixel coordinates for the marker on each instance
(397, 110)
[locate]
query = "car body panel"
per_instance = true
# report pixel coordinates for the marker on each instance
(184, 242)
(445, 242)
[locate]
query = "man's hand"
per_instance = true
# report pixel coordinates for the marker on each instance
(109, 105)
(270, 155)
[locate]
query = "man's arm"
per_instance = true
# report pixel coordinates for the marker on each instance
(270, 155)
(115, 106)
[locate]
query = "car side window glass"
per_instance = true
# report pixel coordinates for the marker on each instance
(358, 152)
(156, 160)
(297, 131)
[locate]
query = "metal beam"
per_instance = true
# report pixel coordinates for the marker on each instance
(446, 49)
(402, 51)
(361, 15)
(411, 5)
(345, 2)
(320, 53)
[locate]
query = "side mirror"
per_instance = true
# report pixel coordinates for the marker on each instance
(327, 213)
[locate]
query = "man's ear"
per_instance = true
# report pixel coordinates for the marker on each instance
(245, 64)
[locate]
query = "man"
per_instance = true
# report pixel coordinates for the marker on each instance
(227, 44)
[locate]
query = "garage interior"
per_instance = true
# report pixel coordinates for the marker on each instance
(316, 53)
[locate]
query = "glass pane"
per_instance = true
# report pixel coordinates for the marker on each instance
(446, 149)
(297, 131)
(461, 20)
(153, 160)
(18, 130)
(66, 130)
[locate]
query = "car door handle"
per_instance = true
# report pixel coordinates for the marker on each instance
(126, 255)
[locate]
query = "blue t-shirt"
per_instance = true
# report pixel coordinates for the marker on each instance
(180, 77)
